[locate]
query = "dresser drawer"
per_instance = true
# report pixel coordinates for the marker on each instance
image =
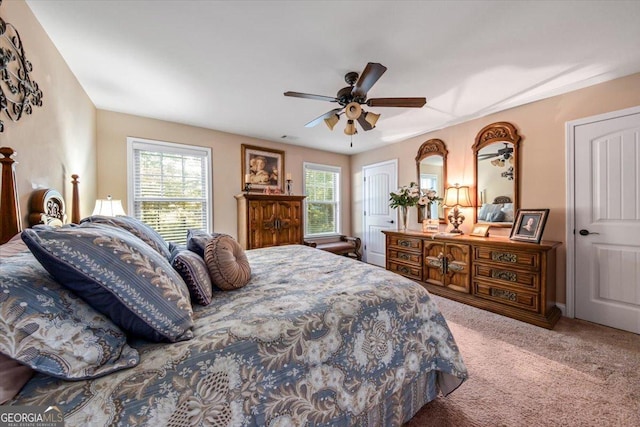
(504, 295)
(409, 243)
(406, 270)
(507, 257)
(406, 257)
(519, 278)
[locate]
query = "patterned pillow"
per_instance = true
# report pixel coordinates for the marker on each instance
(227, 263)
(197, 241)
(120, 276)
(135, 227)
(195, 274)
(51, 330)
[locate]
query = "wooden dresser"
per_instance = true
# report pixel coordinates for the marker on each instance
(269, 220)
(515, 279)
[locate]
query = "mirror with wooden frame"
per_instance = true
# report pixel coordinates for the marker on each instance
(497, 174)
(431, 166)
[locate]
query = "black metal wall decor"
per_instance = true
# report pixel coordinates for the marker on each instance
(18, 93)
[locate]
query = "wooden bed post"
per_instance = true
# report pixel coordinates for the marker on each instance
(75, 201)
(10, 220)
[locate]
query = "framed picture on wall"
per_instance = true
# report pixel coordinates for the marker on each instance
(529, 225)
(262, 168)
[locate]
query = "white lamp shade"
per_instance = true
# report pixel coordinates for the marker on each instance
(108, 207)
(457, 196)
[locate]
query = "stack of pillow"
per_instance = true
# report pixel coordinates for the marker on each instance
(496, 212)
(71, 296)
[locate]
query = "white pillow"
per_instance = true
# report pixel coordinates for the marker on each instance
(508, 212)
(488, 210)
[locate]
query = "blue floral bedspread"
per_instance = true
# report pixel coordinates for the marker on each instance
(314, 339)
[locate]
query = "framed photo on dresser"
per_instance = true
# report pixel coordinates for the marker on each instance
(529, 225)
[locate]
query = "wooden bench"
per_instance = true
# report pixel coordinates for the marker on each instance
(347, 246)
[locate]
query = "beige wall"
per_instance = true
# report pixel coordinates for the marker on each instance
(542, 127)
(114, 128)
(67, 135)
(58, 139)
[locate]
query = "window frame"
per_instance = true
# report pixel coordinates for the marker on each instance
(337, 199)
(134, 143)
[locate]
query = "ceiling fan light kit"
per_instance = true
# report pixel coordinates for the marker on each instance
(351, 98)
(371, 118)
(332, 120)
(350, 129)
(353, 110)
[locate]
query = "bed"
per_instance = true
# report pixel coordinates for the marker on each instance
(312, 339)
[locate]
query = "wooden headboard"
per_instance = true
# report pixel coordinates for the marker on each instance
(10, 219)
(46, 206)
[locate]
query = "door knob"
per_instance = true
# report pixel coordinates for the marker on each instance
(584, 232)
(390, 222)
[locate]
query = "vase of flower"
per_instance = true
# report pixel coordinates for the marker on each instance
(404, 198)
(404, 211)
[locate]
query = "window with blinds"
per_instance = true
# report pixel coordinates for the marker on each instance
(322, 188)
(169, 187)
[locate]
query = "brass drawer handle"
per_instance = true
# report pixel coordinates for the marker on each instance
(504, 275)
(403, 270)
(404, 243)
(504, 257)
(501, 293)
(403, 256)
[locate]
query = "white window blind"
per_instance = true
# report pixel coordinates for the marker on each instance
(169, 187)
(322, 188)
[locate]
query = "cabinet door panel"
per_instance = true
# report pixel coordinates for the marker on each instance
(262, 224)
(434, 253)
(458, 270)
(289, 229)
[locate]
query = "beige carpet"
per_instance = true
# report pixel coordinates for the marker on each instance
(579, 374)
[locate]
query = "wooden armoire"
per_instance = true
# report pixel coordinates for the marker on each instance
(269, 220)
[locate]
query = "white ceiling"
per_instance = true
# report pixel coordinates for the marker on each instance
(224, 65)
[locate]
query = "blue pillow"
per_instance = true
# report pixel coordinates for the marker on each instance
(51, 330)
(118, 275)
(495, 216)
(194, 272)
(136, 227)
(197, 241)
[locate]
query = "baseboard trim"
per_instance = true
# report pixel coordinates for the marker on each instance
(563, 308)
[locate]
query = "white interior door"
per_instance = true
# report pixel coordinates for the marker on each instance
(379, 180)
(607, 221)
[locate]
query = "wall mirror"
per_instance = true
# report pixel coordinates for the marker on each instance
(431, 165)
(497, 174)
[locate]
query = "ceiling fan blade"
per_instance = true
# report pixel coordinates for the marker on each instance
(365, 125)
(487, 156)
(370, 75)
(311, 96)
(397, 102)
(326, 115)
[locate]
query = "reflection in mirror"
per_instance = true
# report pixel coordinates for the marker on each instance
(497, 174)
(431, 166)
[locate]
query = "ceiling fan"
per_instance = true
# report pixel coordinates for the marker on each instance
(499, 157)
(350, 99)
